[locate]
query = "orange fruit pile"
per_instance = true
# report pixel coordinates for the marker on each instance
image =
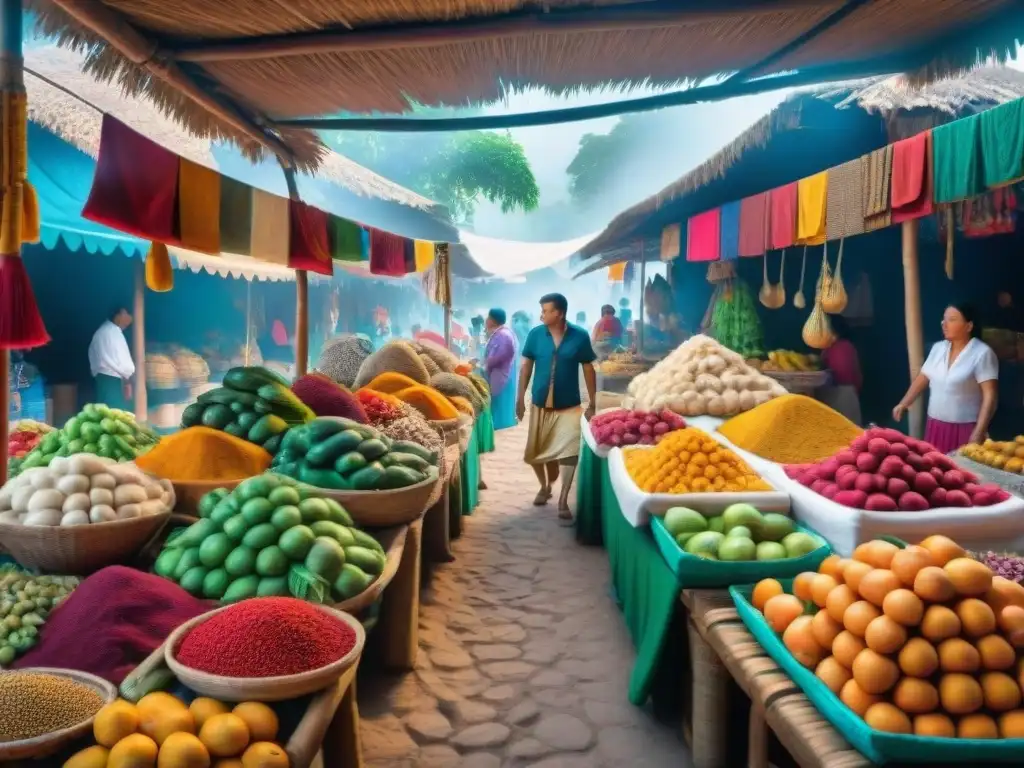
(921, 640)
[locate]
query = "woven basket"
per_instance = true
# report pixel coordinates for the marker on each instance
(43, 746)
(261, 688)
(187, 495)
(449, 429)
(381, 509)
(80, 549)
(393, 541)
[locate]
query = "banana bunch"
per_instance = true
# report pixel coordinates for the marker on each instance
(30, 425)
(788, 361)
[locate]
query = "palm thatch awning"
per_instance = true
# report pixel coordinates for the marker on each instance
(810, 131)
(232, 68)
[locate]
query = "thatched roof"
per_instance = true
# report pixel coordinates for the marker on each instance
(905, 109)
(60, 95)
(230, 68)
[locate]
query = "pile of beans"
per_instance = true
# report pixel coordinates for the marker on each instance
(35, 704)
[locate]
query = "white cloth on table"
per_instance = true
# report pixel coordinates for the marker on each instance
(954, 391)
(109, 354)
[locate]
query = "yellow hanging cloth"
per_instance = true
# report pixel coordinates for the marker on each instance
(271, 227)
(617, 272)
(159, 272)
(199, 207)
(811, 195)
(424, 255)
(30, 215)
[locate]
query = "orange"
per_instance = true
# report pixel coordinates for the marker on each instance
(135, 751)
(977, 727)
(969, 577)
(203, 708)
(856, 698)
(183, 750)
(854, 572)
(885, 635)
(229, 762)
(1003, 593)
(263, 754)
(781, 610)
(903, 607)
(833, 674)
(838, 600)
(1011, 724)
(158, 723)
(939, 623)
(907, 562)
(832, 566)
(960, 694)
(943, 549)
(996, 653)
(976, 617)
(799, 639)
(880, 553)
(802, 585)
(261, 719)
(860, 553)
(957, 655)
(886, 717)
(845, 648)
(918, 658)
(873, 672)
(1002, 693)
(914, 696)
(932, 584)
(936, 725)
(858, 616)
(877, 584)
(765, 589)
(1011, 622)
(225, 735)
(115, 721)
(95, 756)
(821, 585)
(825, 629)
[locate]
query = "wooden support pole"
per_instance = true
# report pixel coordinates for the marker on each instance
(139, 342)
(912, 308)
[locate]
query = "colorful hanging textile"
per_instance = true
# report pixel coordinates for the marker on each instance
(617, 272)
(670, 241)
(957, 160)
(159, 272)
(753, 224)
(437, 283)
(812, 197)
(387, 253)
(409, 255)
(309, 247)
(1002, 144)
(424, 255)
(703, 236)
(235, 217)
(135, 187)
(271, 230)
(991, 213)
(199, 207)
(844, 207)
(730, 247)
(346, 239)
(876, 168)
(782, 209)
(912, 178)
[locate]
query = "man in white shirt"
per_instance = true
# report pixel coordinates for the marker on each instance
(111, 361)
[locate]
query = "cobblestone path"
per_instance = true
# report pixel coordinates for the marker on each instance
(523, 657)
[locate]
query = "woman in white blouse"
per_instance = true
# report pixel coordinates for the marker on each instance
(962, 376)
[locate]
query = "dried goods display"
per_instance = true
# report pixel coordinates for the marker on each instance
(25, 604)
(788, 361)
(741, 533)
(702, 377)
(204, 454)
(326, 398)
(622, 364)
(627, 427)
(394, 357)
(442, 358)
(341, 358)
(36, 704)
(380, 408)
(1005, 455)
(428, 401)
(451, 384)
(1006, 564)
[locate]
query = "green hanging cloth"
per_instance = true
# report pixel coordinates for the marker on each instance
(957, 163)
(1002, 144)
(346, 239)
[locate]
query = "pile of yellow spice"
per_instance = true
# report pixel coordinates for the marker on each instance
(690, 461)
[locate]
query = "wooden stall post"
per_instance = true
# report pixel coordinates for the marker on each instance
(301, 290)
(912, 306)
(643, 284)
(139, 342)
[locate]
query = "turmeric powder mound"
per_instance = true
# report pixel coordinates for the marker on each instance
(391, 382)
(429, 402)
(791, 429)
(203, 454)
(462, 404)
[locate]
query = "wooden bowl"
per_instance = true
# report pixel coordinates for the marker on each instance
(47, 744)
(382, 509)
(261, 688)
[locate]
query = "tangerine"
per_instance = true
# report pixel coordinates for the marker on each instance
(225, 735)
(943, 549)
(939, 623)
(1003, 593)
(821, 585)
(781, 610)
(877, 584)
(957, 655)
(838, 600)
(960, 694)
(907, 562)
(1011, 724)
(832, 673)
(885, 635)
(1011, 622)
(880, 553)
(802, 585)
(977, 727)
(264, 754)
(885, 717)
(903, 607)
(799, 639)
(996, 653)
(845, 648)
(918, 658)
(874, 672)
(933, 584)
(859, 615)
(113, 722)
(976, 617)
(914, 696)
(832, 566)
(765, 589)
(261, 719)
(854, 572)
(1001, 692)
(969, 577)
(203, 708)
(183, 750)
(825, 629)
(934, 724)
(856, 698)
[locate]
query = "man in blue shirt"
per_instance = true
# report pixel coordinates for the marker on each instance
(556, 349)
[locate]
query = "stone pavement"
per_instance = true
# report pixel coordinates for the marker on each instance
(524, 659)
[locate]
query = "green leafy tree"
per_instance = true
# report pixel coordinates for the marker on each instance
(602, 156)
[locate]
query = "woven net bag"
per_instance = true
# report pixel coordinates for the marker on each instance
(453, 385)
(395, 356)
(341, 358)
(817, 333)
(833, 295)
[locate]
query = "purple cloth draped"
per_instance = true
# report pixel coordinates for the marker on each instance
(498, 359)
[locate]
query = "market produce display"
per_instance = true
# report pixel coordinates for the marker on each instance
(690, 461)
(341, 358)
(443, 358)
(254, 403)
(25, 603)
(22, 437)
(451, 384)
(1005, 455)
(204, 454)
(741, 533)
(788, 361)
(80, 490)
(36, 704)
(391, 383)
(162, 731)
(413, 428)
(701, 377)
(1006, 564)
(339, 454)
(883, 470)
(192, 368)
(920, 640)
(161, 372)
(394, 357)
(380, 408)
(97, 429)
(734, 320)
(428, 401)
(482, 387)
(622, 364)
(628, 427)
(271, 536)
(791, 429)
(325, 398)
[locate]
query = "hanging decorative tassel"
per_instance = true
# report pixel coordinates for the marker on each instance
(950, 229)
(159, 272)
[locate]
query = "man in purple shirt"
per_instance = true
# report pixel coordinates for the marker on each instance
(499, 368)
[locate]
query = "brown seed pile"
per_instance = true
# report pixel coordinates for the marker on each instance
(34, 704)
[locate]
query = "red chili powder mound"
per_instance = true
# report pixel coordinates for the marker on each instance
(325, 398)
(266, 637)
(112, 622)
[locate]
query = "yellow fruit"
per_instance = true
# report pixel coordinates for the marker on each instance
(1001, 691)
(260, 718)
(225, 735)
(158, 700)
(183, 750)
(885, 635)
(996, 653)
(204, 708)
(858, 616)
(833, 674)
(90, 757)
(877, 584)
(976, 617)
(115, 721)
(903, 607)
(263, 754)
(907, 562)
(825, 629)
(875, 673)
(960, 694)
(957, 655)
(765, 590)
(135, 751)
(161, 714)
(932, 584)
(821, 585)
(856, 698)
(838, 600)
(943, 549)
(886, 717)
(934, 725)
(1011, 724)
(918, 658)
(845, 648)
(916, 697)
(939, 623)
(229, 762)
(977, 727)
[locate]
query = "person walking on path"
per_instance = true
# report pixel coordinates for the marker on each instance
(556, 349)
(500, 369)
(111, 361)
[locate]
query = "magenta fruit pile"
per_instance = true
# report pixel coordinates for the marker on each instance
(883, 470)
(622, 427)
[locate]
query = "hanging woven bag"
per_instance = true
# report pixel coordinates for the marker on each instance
(834, 298)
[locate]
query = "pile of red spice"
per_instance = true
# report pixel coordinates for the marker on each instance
(325, 398)
(378, 408)
(266, 637)
(112, 622)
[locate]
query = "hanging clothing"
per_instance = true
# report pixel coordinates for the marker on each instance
(957, 160)
(235, 217)
(753, 225)
(346, 239)
(703, 236)
(730, 227)
(616, 272)
(424, 255)
(271, 227)
(812, 195)
(912, 185)
(877, 179)
(501, 369)
(1002, 144)
(309, 247)
(387, 253)
(199, 207)
(844, 204)
(782, 212)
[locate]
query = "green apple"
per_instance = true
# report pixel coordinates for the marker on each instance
(799, 544)
(704, 543)
(680, 520)
(736, 549)
(716, 524)
(771, 550)
(741, 514)
(775, 527)
(741, 531)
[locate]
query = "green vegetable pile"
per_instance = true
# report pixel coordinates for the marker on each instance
(734, 320)
(271, 537)
(254, 404)
(342, 454)
(25, 603)
(97, 429)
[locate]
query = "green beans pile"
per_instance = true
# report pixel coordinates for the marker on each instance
(34, 704)
(25, 602)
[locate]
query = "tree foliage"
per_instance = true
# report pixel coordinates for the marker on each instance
(601, 156)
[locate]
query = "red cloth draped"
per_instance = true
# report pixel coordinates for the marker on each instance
(309, 247)
(782, 206)
(387, 253)
(753, 224)
(911, 190)
(704, 236)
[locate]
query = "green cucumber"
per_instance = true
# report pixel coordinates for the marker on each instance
(218, 416)
(278, 394)
(400, 477)
(324, 453)
(225, 396)
(321, 478)
(273, 444)
(266, 427)
(246, 419)
(192, 415)
(320, 429)
(368, 478)
(251, 378)
(235, 430)
(296, 441)
(410, 460)
(350, 462)
(372, 449)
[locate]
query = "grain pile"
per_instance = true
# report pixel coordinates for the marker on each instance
(445, 360)
(341, 357)
(454, 385)
(393, 357)
(34, 704)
